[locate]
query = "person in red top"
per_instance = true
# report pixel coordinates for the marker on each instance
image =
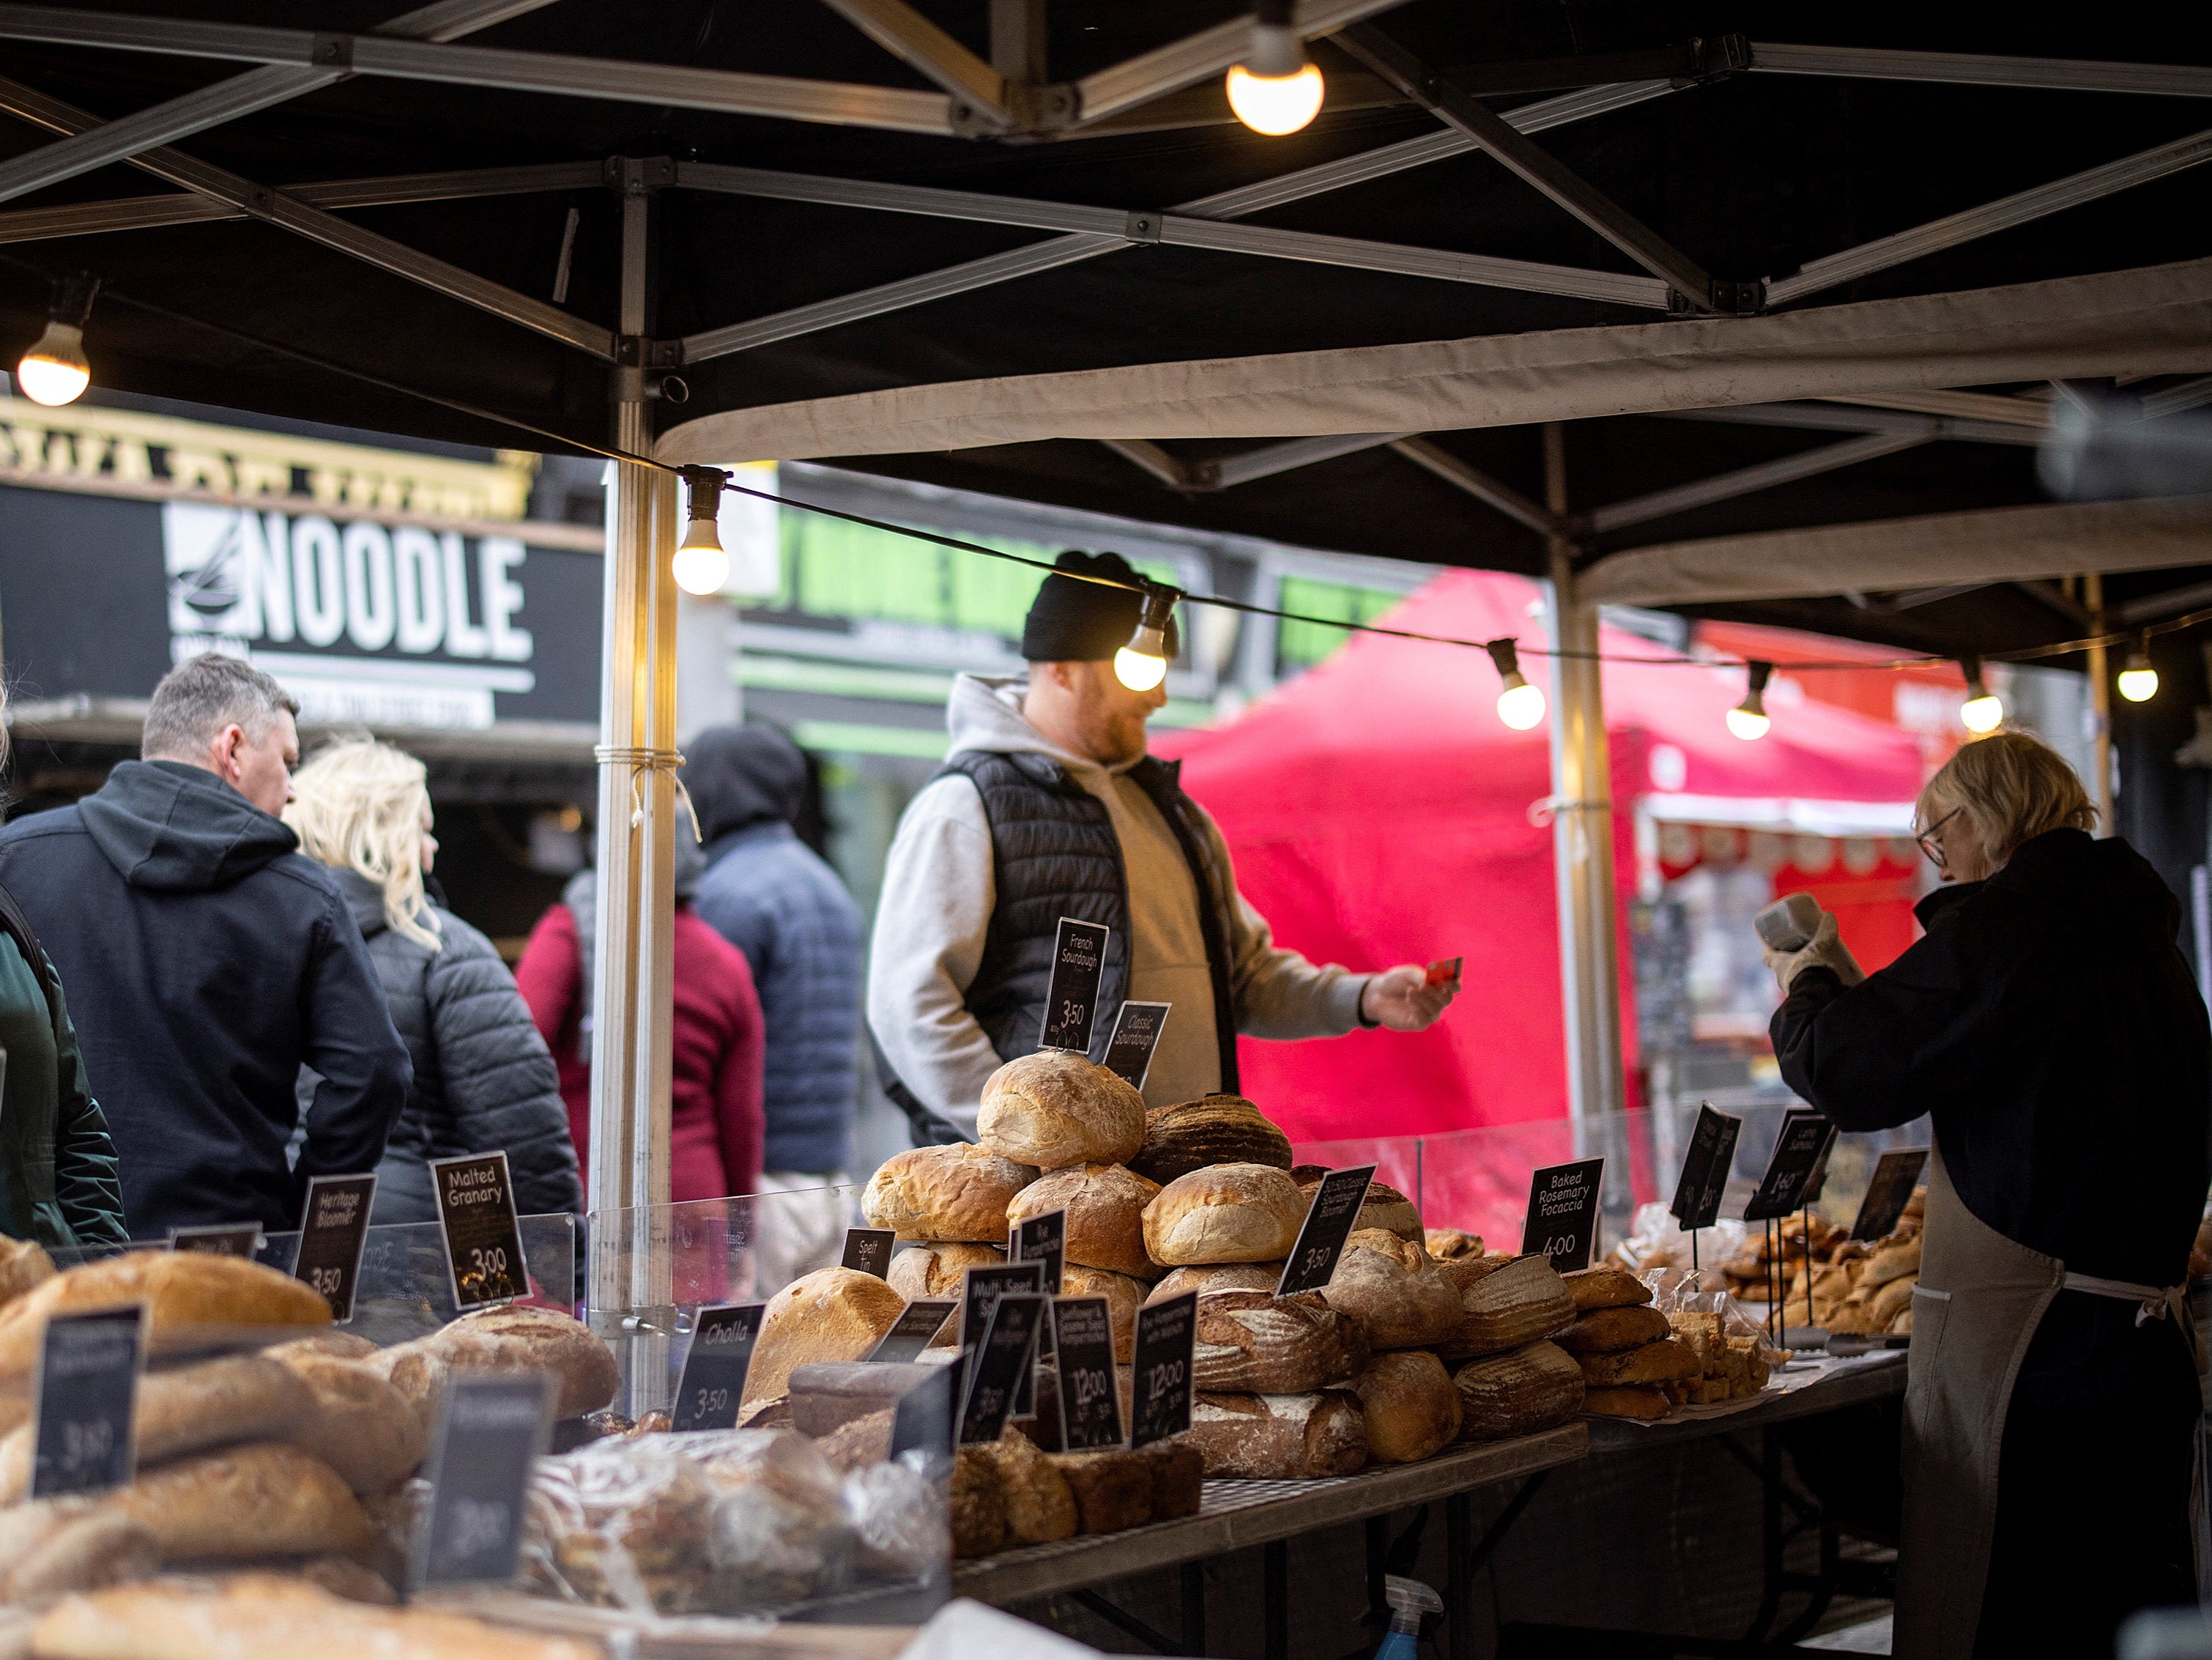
(716, 1126)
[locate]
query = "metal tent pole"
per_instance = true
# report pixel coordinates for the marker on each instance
(630, 1285)
(2100, 708)
(1582, 823)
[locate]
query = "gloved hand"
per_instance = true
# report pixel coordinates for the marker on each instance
(1826, 949)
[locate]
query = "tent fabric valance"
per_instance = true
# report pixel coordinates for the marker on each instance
(2154, 320)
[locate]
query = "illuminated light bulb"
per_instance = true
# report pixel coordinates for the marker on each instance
(55, 370)
(2138, 681)
(700, 566)
(1982, 712)
(1748, 719)
(1520, 705)
(1143, 663)
(1276, 89)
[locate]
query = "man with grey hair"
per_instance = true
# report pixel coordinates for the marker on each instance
(207, 960)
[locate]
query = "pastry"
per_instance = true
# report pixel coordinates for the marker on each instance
(1054, 1108)
(1215, 1129)
(1105, 1215)
(955, 1192)
(1225, 1213)
(24, 1266)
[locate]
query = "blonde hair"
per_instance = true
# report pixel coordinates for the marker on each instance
(2008, 788)
(361, 807)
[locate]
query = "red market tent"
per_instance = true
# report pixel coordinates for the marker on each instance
(1379, 812)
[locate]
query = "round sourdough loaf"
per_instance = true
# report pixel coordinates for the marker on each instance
(187, 1294)
(955, 1192)
(1383, 1208)
(1401, 1297)
(1105, 1205)
(1215, 1129)
(932, 1273)
(518, 1338)
(832, 1314)
(1225, 1213)
(1054, 1108)
(1409, 1403)
(1218, 1276)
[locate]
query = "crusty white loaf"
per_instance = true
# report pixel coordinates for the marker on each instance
(934, 1272)
(1384, 1206)
(1105, 1205)
(1217, 1276)
(260, 1499)
(832, 1314)
(185, 1294)
(1396, 1292)
(1054, 1108)
(1278, 1437)
(957, 1192)
(1411, 1408)
(1225, 1213)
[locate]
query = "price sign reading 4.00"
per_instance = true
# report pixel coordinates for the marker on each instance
(332, 1232)
(1166, 1333)
(1562, 1223)
(715, 1370)
(491, 1429)
(483, 1243)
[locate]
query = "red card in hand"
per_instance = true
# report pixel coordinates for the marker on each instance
(1444, 971)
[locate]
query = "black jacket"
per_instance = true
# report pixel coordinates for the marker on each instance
(206, 961)
(484, 1080)
(2051, 1029)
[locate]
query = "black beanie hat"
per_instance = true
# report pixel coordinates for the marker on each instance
(1072, 621)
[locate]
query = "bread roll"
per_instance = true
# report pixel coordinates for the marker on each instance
(1249, 1342)
(934, 1272)
(1112, 1490)
(1039, 1507)
(1517, 1393)
(1215, 1129)
(1052, 1108)
(1278, 1437)
(261, 1500)
(1217, 1276)
(1605, 1287)
(832, 1314)
(1448, 1244)
(956, 1192)
(1391, 1287)
(1409, 1405)
(1626, 1326)
(1514, 1304)
(520, 1338)
(24, 1266)
(187, 1294)
(1123, 1295)
(1626, 1402)
(1226, 1213)
(359, 1424)
(1891, 1300)
(1105, 1205)
(1654, 1363)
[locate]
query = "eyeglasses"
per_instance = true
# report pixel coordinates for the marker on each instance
(1929, 845)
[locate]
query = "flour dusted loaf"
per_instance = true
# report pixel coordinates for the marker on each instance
(1396, 1293)
(1123, 1295)
(1215, 1129)
(1225, 1214)
(1408, 1404)
(516, 1338)
(1384, 1206)
(1252, 1342)
(1217, 1276)
(1055, 1108)
(188, 1294)
(1517, 1393)
(1279, 1438)
(933, 1273)
(959, 1192)
(1105, 1205)
(1515, 1303)
(261, 1500)
(832, 1314)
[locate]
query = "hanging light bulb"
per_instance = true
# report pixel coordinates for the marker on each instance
(1520, 705)
(1748, 720)
(1143, 663)
(700, 566)
(55, 370)
(2139, 680)
(1982, 712)
(1276, 89)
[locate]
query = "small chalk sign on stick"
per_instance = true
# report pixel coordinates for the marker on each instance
(1136, 1032)
(995, 1369)
(1167, 1335)
(1562, 1219)
(333, 1231)
(1071, 1005)
(219, 1239)
(869, 1251)
(1328, 1223)
(1797, 1148)
(1705, 1170)
(491, 1429)
(1896, 1173)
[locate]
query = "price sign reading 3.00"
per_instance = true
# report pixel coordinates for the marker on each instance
(483, 1243)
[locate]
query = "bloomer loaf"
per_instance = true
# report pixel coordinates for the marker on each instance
(1105, 1222)
(186, 1294)
(1603, 1330)
(1513, 1305)
(262, 1499)
(1410, 1407)
(1055, 1108)
(1216, 1129)
(1396, 1292)
(1217, 1276)
(831, 1314)
(1279, 1438)
(1225, 1213)
(360, 1425)
(1517, 1393)
(955, 1192)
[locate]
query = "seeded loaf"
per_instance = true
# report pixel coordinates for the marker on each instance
(1216, 1129)
(976, 1506)
(1517, 1393)
(1105, 1222)
(1515, 1303)
(1279, 1438)
(1113, 1490)
(1630, 1325)
(520, 1338)
(1225, 1214)
(1391, 1287)
(1040, 1506)
(1052, 1108)
(832, 1314)
(956, 1192)
(188, 1294)
(1408, 1404)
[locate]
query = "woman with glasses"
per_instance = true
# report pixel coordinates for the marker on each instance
(2049, 1028)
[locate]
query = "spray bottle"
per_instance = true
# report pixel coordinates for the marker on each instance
(1409, 1599)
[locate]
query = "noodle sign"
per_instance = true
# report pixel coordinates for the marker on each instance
(483, 1243)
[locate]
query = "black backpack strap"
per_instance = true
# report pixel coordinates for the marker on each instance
(18, 927)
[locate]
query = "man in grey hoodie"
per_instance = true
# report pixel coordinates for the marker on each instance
(1048, 806)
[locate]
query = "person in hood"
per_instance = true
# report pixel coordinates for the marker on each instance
(778, 902)
(714, 1084)
(483, 1080)
(207, 961)
(1048, 807)
(2050, 1030)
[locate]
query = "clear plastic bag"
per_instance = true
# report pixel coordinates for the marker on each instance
(897, 1513)
(1657, 1241)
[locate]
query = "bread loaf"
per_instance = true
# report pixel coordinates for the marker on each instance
(831, 1314)
(1112, 1490)
(1226, 1213)
(417, 1373)
(1654, 1363)
(520, 1338)
(1251, 1342)
(1624, 1326)
(977, 1506)
(1105, 1205)
(24, 1266)
(1464, 1270)
(1514, 1304)
(1391, 1287)
(261, 1500)
(826, 1394)
(955, 1192)
(1279, 1438)
(1447, 1244)
(1217, 1276)
(339, 1344)
(1178, 1477)
(1383, 1208)
(1626, 1402)
(1054, 1108)
(1039, 1507)
(188, 1295)
(189, 1409)
(1517, 1393)
(1606, 1287)
(1891, 1300)
(1410, 1408)
(1123, 1295)
(858, 1443)
(58, 1545)
(1216, 1129)
(934, 1272)
(359, 1424)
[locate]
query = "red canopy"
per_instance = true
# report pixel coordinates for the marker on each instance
(1380, 812)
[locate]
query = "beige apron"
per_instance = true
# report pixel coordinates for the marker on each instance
(1975, 1308)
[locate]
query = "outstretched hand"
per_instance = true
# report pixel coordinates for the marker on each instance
(1403, 1000)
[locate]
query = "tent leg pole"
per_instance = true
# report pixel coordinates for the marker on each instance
(1581, 825)
(629, 1282)
(2100, 708)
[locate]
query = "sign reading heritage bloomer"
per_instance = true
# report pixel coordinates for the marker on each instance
(1561, 1220)
(1071, 1003)
(333, 1230)
(491, 1429)
(88, 1393)
(483, 1243)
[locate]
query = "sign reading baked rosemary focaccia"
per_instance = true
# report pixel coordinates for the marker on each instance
(483, 1243)
(1797, 1147)
(1705, 1170)
(1071, 1002)
(713, 1381)
(1090, 1403)
(1896, 1174)
(333, 1229)
(1561, 1220)
(997, 1366)
(491, 1429)
(1136, 1032)
(88, 1392)
(1167, 1335)
(1329, 1219)
(869, 1251)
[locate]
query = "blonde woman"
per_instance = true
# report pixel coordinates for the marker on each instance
(484, 1080)
(2050, 1030)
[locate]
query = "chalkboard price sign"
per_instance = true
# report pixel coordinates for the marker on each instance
(88, 1392)
(1166, 1335)
(1071, 1009)
(1329, 1219)
(1089, 1401)
(713, 1382)
(491, 1429)
(1136, 1032)
(483, 1243)
(1705, 1169)
(869, 1251)
(219, 1239)
(1561, 1220)
(333, 1229)
(1797, 1149)
(915, 1329)
(994, 1370)
(1896, 1174)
